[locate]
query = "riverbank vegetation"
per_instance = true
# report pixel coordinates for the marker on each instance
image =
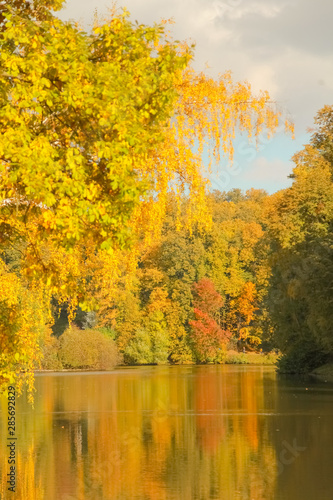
(111, 241)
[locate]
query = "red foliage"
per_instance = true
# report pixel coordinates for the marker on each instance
(208, 336)
(207, 298)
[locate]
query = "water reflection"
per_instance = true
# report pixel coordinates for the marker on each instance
(154, 433)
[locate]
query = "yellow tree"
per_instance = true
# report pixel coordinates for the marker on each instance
(79, 115)
(300, 227)
(96, 128)
(207, 114)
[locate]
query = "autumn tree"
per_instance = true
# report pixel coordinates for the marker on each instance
(322, 137)
(79, 114)
(237, 260)
(208, 337)
(96, 129)
(231, 255)
(207, 114)
(301, 230)
(29, 9)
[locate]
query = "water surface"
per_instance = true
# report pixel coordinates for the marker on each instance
(173, 433)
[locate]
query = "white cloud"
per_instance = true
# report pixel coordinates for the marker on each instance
(237, 9)
(263, 77)
(274, 171)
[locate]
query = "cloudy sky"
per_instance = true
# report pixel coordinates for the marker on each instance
(283, 46)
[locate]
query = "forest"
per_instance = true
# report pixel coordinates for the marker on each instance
(113, 246)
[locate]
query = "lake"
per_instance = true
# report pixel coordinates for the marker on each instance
(215, 432)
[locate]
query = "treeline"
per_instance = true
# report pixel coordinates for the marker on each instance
(300, 295)
(98, 128)
(259, 277)
(104, 205)
(192, 293)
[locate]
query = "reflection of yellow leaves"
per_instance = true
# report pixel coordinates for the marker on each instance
(160, 413)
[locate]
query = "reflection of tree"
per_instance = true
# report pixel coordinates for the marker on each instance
(210, 402)
(166, 433)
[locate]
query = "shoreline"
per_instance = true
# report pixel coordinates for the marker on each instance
(232, 358)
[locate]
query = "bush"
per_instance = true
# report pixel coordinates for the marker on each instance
(87, 349)
(148, 346)
(50, 360)
(108, 332)
(139, 349)
(251, 358)
(302, 358)
(236, 358)
(181, 351)
(49, 346)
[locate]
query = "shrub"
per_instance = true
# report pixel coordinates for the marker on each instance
(49, 346)
(236, 358)
(139, 349)
(181, 351)
(87, 349)
(148, 346)
(250, 358)
(302, 358)
(50, 360)
(108, 332)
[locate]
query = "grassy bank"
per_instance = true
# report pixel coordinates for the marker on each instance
(250, 358)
